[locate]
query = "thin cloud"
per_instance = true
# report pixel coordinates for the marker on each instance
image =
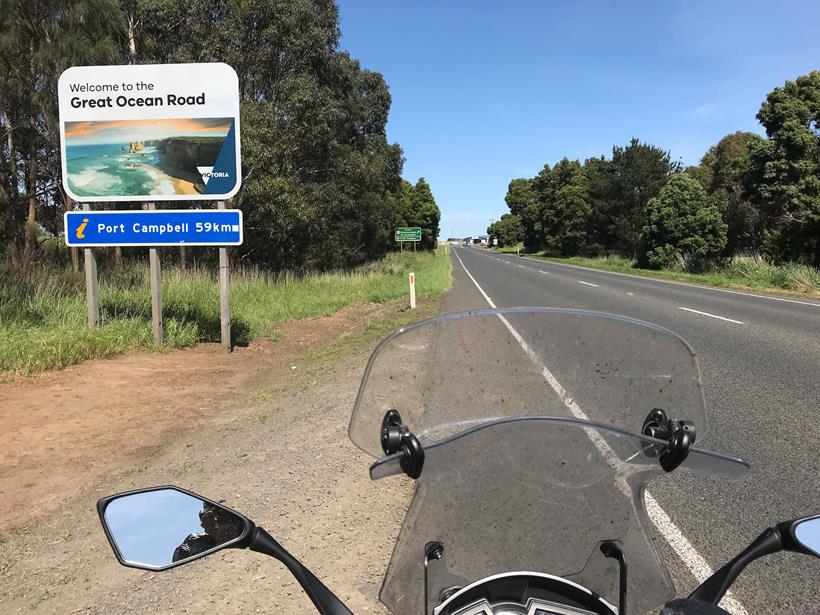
(707, 112)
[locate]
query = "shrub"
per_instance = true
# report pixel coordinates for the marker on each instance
(682, 227)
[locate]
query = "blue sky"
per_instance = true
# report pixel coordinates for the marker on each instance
(487, 91)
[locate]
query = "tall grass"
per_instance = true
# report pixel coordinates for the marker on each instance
(751, 272)
(43, 318)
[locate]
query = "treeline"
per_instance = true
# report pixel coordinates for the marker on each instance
(750, 194)
(322, 185)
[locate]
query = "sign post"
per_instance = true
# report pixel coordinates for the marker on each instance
(151, 133)
(155, 277)
(224, 294)
(91, 284)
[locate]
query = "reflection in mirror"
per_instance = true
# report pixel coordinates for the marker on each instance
(154, 529)
(807, 533)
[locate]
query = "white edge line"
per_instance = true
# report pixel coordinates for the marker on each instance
(738, 322)
(675, 282)
(698, 567)
(587, 283)
(693, 560)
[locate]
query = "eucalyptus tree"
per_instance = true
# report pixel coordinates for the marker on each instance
(788, 163)
(40, 39)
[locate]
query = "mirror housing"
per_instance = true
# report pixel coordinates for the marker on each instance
(148, 509)
(801, 535)
(163, 527)
(785, 536)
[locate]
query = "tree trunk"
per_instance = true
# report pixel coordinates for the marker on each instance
(12, 152)
(31, 193)
(132, 40)
(817, 253)
(31, 170)
(5, 207)
(12, 225)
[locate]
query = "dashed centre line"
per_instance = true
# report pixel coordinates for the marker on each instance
(737, 322)
(587, 283)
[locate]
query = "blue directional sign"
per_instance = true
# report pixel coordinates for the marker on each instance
(163, 227)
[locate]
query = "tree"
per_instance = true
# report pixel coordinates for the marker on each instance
(682, 226)
(321, 183)
(40, 40)
(599, 181)
(788, 166)
(726, 173)
(521, 200)
(507, 230)
(417, 207)
(573, 210)
(639, 171)
(563, 204)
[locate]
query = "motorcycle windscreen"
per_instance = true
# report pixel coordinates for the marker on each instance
(452, 372)
(537, 495)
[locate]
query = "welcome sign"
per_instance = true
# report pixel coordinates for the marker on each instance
(164, 132)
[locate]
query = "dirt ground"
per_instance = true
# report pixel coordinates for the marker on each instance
(263, 428)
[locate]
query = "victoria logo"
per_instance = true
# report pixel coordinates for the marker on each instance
(208, 172)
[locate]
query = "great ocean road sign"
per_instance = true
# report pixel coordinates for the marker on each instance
(408, 233)
(166, 132)
(168, 227)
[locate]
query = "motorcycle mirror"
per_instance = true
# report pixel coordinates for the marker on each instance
(163, 527)
(798, 535)
(806, 534)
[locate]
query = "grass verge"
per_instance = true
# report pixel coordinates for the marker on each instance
(743, 273)
(43, 319)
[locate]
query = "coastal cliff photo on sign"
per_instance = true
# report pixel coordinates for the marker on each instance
(150, 132)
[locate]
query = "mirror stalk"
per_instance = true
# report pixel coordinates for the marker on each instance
(325, 601)
(716, 586)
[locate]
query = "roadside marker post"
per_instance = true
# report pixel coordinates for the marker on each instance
(412, 291)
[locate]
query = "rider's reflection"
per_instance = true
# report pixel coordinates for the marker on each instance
(219, 525)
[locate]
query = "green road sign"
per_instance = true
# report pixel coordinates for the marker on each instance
(408, 233)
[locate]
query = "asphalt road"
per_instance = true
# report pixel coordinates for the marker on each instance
(760, 358)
